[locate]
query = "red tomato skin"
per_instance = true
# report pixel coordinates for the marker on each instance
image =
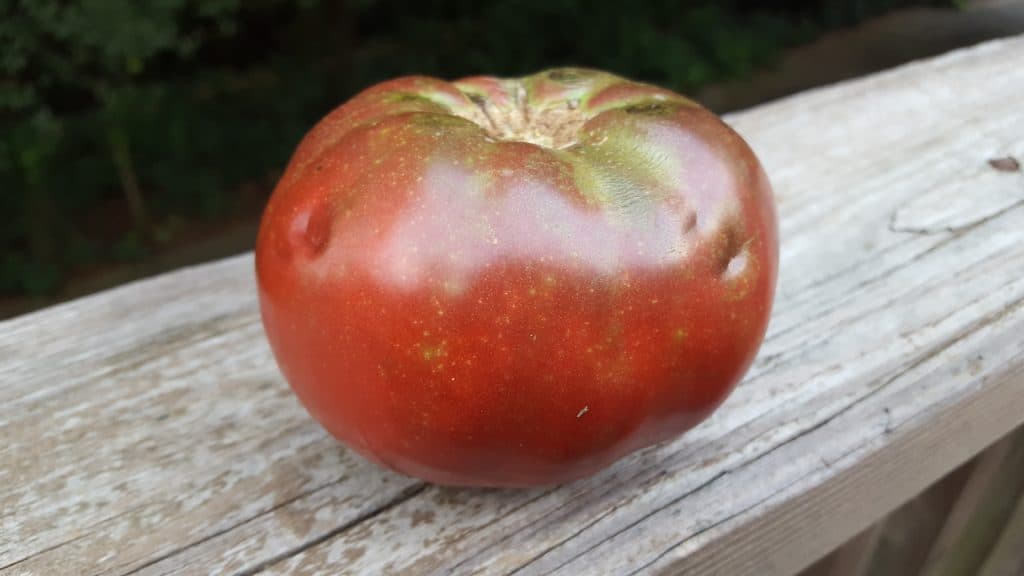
(476, 310)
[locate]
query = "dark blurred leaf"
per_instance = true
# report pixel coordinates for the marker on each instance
(203, 96)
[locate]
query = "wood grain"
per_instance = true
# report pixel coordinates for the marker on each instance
(145, 430)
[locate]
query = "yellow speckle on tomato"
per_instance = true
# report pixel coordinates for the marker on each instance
(433, 352)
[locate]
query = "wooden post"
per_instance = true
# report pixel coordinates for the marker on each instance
(981, 512)
(1007, 558)
(854, 558)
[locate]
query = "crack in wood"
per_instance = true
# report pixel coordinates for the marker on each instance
(462, 562)
(949, 229)
(568, 538)
(155, 348)
(38, 553)
(407, 494)
(86, 532)
(179, 550)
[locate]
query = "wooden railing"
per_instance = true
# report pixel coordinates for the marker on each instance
(146, 430)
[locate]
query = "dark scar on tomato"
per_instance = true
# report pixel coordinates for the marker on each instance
(649, 108)
(568, 76)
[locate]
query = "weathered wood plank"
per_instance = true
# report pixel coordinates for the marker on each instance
(146, 429)
(175, 430)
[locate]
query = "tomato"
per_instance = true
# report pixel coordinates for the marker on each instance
(515, 282)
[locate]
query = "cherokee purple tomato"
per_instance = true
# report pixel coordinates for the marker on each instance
(513, 282)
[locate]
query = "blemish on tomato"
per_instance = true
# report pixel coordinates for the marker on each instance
(689, 222)
(432, 352)
(737, 265)
(311, 229)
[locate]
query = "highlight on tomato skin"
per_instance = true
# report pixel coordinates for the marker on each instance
(516, 282)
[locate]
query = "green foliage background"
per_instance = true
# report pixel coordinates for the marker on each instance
(158, 110)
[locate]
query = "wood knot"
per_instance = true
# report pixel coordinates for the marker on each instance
(1005, 164)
